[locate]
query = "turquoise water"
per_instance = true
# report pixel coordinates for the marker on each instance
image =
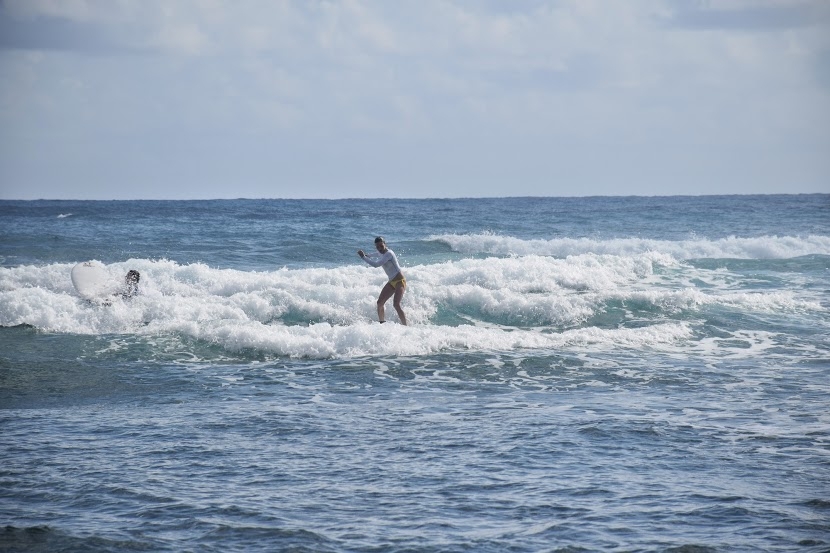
(618, 374)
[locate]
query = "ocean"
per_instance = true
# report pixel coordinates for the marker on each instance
(579, 374)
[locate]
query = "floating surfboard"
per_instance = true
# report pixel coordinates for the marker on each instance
(93, 282)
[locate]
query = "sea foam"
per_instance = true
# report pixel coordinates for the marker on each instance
(762, 247)
(536, 302)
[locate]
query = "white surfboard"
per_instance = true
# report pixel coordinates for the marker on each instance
(93, 282)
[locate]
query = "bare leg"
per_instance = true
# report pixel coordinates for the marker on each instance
(397, 302)
(385, 294)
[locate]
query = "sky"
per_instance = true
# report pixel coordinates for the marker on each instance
(193, 99)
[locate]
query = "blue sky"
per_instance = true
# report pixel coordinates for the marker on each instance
(177, 99)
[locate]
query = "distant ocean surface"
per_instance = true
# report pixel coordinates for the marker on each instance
(580, 374)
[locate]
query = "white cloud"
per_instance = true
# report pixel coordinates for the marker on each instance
(464, 83)
(183, 38)
(75, 10)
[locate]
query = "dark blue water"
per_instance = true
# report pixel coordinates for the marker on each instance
(620, 374)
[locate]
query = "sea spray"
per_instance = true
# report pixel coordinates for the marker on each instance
(761, 247)
(469, 304)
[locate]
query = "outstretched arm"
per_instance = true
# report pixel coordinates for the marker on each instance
(375, 261)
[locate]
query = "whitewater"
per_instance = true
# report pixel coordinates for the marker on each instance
(578, 374)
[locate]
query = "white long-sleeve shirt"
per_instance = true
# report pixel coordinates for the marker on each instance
(388, 260)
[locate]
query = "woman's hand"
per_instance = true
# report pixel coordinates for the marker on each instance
(360, 253)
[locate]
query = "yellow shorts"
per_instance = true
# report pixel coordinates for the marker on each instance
(397, 281)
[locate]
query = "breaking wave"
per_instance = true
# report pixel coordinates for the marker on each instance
(645, 300)
(762, 247)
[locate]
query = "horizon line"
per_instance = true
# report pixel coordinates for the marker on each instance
(408, 198)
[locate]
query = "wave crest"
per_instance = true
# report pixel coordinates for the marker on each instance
(762, 247)
(480, 304)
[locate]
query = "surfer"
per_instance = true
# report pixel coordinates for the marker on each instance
(131, 284)
(397, 283)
